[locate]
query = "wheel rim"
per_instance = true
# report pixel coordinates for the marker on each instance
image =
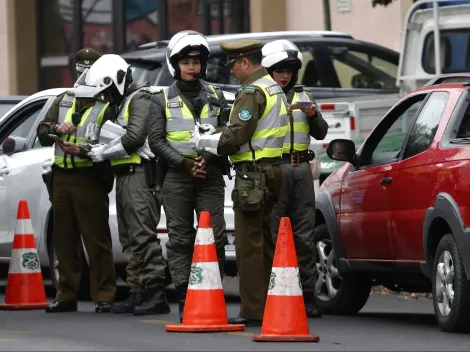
(445, 283)
(328, 280)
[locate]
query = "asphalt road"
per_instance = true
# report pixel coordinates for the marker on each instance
(387, 323)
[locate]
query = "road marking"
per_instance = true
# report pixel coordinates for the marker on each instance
(19, 331)
(7, 340)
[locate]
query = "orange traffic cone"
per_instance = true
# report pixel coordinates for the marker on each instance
(25, 287)
(284, 317)
(205, 309)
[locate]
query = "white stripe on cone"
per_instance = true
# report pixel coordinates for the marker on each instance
(24, 261)
(285, 282)
(204, 237)
(205, 276)
(24, 227)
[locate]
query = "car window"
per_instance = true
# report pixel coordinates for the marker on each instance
(356, 69)
(426, 125)
(309, 72)
(4, 108)
(23, 123)
(142, 73)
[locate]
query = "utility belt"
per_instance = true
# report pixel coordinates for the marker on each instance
(148, 167)
(295, 158)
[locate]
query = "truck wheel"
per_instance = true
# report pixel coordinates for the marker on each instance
(450, 287)
(334, 294)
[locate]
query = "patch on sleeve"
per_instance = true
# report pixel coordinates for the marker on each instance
(176, 104)
(250, 89)
(244, 114)
(274, 89)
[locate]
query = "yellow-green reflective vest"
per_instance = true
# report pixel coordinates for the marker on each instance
(122, 120)
(301, 127)
(268, 138)
(93, 114)
(180, 120)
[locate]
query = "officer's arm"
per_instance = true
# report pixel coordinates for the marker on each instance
(136, 132)
(224, 114)
(157, 134)
(46, 126)
(252, 105)
(318, 125)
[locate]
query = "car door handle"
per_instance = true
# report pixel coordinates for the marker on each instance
(386, 180)
(4, 171)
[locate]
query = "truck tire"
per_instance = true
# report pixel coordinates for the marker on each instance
(450, 287)
(336, 295)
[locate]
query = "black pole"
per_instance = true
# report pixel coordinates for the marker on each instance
(119, 26)
(221, 16)
(40, 43)
(162, 19)
(78, 25)
(206, 17)
(326, 15)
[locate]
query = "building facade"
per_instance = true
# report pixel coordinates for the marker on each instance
(38, 38)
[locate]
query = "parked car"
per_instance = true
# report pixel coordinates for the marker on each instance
(334, 64)
(6, 103)
(23, 161)
(396, 212)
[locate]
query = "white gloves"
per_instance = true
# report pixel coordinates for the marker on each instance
(92, 132)
(204, 142)
(206, 128)
(96, 153)
(195, 139)
(145, 151)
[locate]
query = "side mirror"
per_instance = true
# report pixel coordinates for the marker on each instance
(13, 144)
(342, 150)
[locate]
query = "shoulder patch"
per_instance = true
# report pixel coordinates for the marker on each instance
(244, 114)
(176, 104)
(250, 89)
(274, 89)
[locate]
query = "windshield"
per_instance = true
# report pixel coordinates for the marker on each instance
(143, 72)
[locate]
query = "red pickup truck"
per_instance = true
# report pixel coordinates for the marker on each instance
(397, 212)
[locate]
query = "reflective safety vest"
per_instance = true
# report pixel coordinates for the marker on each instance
(180, 120)
(301, 128)
(122, 120)
(268, 138)
(93, 114)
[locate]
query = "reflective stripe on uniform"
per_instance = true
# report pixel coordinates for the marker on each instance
(180, 120)
(268, 138)
(301, 127)
(92, 115)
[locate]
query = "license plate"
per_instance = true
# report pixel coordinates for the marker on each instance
(230, 247)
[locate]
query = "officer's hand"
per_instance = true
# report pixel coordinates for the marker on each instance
(69, 148)
(200, 163)
(195, 138)
(96, 153)
(198, 170)
(145, 151)
(206, 128)
(310, 111)
(66, 128)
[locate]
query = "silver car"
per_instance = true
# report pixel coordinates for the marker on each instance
(23, 161)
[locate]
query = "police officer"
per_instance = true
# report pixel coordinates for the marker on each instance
(253, 140)
(192, 181)
(80, 202)
(283, 60)
(137, 197)
(84, 58)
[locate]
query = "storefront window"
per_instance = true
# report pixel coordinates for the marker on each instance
(58, 77)
(98, 25)
(141, 22)
(57, 27)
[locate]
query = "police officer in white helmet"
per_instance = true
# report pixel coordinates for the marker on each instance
(283, 61)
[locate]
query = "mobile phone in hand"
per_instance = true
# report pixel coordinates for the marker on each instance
(56, 138)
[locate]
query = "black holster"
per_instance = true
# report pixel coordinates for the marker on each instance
(104, 175)
(150, 171)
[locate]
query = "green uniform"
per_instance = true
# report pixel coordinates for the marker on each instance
(297, 198)
(258, 124)
(80, 203)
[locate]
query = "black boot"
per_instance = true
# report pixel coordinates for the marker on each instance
(127, 306)
(155, 302)
(310, 307)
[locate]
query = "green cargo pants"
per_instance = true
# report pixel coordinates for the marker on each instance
(182, 195)
(138, 211)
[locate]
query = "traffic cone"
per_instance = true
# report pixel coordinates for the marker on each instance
(25, 287)
(205, 309)
(284, 317)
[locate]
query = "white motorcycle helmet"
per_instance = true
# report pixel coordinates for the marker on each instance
(184, 44)
(109, 69)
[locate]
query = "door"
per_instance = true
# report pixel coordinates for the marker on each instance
(21, 176)
(367, 199)
(415, 174)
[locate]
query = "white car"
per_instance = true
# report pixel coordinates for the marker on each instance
(23, 161)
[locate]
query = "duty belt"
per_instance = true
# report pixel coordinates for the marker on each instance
(129, 169)
(295, 158)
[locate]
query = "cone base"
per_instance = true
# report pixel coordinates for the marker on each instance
(12, 306)
(285, 338)
(204, 328)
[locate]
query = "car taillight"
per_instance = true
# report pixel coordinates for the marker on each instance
(327, 106)
(352, 123)
(324, 145)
